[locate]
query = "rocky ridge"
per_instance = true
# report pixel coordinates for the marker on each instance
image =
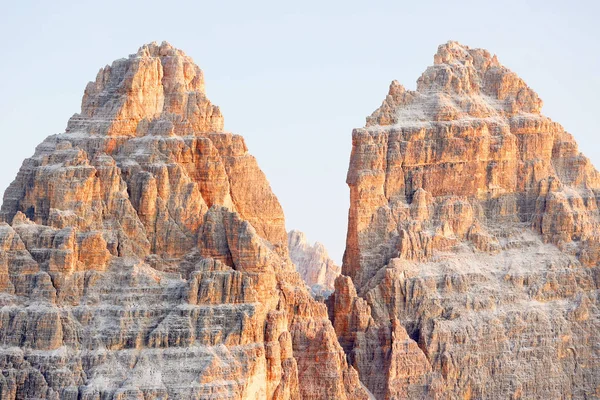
(471, 265)
(144, 255)
(313, 263)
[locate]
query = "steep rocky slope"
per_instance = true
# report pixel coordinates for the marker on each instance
(473, 243)
(144, 256)
(313, 263)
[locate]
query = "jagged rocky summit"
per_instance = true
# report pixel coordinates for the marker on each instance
(143, 255)
(313, 263)
(471, 265)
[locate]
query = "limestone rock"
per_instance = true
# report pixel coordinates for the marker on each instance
(158, 90)
(472, 255)
(143, 255)
(313, 263)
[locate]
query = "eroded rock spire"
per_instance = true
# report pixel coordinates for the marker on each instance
(463, 83)
(158, 90)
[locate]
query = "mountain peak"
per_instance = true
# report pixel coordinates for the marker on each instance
(313, 263)
(469, 209)
(157, 91)
(462, 83)
(153, 49)
(453, 52)
(145, 208)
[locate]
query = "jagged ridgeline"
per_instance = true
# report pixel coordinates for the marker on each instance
(143, 255)
(473, 243)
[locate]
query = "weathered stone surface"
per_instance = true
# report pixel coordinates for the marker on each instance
(313, 263)
(472, 248)
(143, 255)
(129, 95)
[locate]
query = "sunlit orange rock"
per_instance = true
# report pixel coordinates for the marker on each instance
(144, 255)
(473, 242)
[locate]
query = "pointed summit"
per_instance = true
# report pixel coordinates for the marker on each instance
(462, 83)
(158, 90)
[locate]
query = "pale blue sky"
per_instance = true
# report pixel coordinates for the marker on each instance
(293, 78)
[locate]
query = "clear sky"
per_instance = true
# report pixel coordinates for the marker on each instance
(293, 78)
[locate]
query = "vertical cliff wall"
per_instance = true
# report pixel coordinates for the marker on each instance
(144, 255)
(473, 242)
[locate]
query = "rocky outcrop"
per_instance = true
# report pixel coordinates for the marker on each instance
(472, 248)
(144, 255)
(313, 263)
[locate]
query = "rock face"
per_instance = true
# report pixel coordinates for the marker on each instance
(313, 263)
(144, 256)
(473, 243)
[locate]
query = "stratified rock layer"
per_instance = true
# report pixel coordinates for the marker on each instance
(473, 243)
(144, 256)
(313, 263)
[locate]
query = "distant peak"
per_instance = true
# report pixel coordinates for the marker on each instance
(296, 238)
(313, 263)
